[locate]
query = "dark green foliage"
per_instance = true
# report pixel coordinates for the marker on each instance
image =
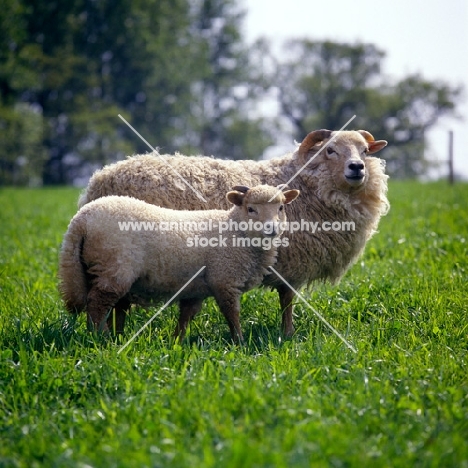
(171, 67)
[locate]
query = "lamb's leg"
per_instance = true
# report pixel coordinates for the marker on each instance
(286, 296)
(229, 303)
(188, 309)
(116, 320)
(98, 304)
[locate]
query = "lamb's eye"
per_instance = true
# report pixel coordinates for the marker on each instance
(251, 210)
(330, 150)
(281, 208)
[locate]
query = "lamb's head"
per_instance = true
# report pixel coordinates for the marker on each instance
(345, 155)
(264, 205)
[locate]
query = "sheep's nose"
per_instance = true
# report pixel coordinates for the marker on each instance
(270, 230)
(356, 166)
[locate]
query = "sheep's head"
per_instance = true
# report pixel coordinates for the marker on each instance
(254, 204)
(345, 155)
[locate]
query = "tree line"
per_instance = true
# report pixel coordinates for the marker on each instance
(181, 72)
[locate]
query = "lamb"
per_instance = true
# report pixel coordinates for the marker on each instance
(104, 267)
(342, 183)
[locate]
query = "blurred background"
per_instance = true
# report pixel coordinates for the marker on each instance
(231, 78)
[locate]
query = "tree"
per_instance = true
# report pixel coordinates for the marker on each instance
(21, 145)
(224, 122)
(178, 70)
(21, 124)
(323, 84)
(104, 58)
(80, 63)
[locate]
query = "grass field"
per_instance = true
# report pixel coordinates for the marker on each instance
(69, 400)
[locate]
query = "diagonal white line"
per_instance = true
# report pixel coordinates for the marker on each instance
(315, 155)
(199, 195)
(161, 309)
(338, 334)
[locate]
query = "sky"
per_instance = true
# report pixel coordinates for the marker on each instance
(428, 37)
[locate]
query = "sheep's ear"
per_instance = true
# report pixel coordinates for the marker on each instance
(374, 146)
(291, 195)
(236, 198)
(377, 146)
(311, 140)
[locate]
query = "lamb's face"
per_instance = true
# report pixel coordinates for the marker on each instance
(269, 217)
(262, 207)
(343, 154)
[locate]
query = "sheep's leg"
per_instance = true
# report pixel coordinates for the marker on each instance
(116, 320)
(286, 296)
(98, 304)
(230, 308)
(188, 309)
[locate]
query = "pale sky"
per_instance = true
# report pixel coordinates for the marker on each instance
(428, 37)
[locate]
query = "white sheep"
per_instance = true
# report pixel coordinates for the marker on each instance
(103, 266)
(343, 183)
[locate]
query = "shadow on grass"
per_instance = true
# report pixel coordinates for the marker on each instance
(47, 336)
(258, 339)
(69, 332)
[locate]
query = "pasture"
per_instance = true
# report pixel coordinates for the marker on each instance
(70, 399)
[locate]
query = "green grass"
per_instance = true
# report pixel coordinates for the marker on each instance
(67, 399)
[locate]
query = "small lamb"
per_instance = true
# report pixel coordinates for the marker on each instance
(104, 267)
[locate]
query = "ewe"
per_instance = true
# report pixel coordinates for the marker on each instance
(103, 266)
(342, 184)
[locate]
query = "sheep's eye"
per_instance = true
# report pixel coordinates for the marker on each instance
(251, 210)
(281, 208)
(330, 150)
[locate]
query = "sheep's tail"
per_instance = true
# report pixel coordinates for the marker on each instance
(73, 284)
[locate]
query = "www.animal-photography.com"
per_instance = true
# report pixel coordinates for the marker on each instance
(233, 233)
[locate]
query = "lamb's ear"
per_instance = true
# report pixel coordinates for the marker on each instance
(241, 188)
(311, 140)
(374, 146)
(236, 198)
(291, 195)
